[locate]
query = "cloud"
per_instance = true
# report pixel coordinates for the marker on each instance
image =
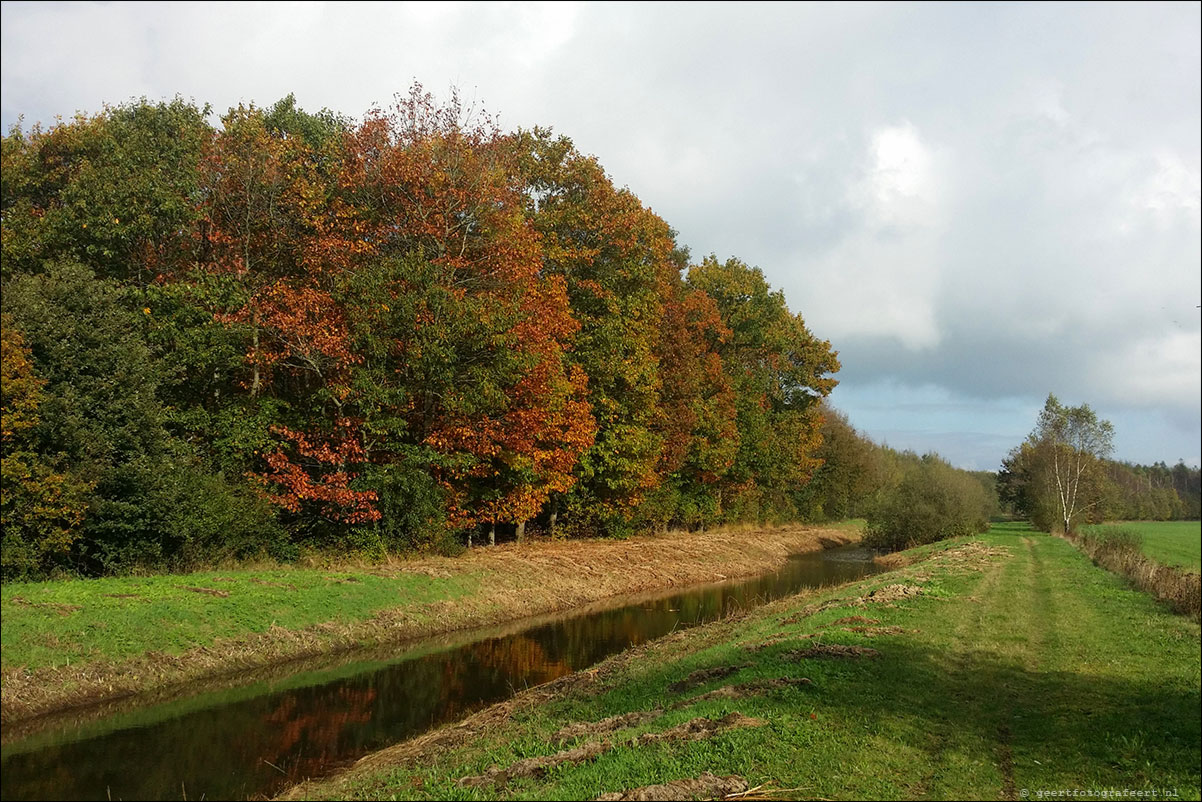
(995, 200)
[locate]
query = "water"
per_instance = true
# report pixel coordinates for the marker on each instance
(255, 739)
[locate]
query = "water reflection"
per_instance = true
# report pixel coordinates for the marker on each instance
(235, 749)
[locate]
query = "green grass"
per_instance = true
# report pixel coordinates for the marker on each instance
(72, 621)
(1177, 543)
(1027, 668)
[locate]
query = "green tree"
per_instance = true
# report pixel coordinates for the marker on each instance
(849, 476)
(1076, 441)
(780, 372)
(149, 500)
(1056, 477)
(118, 192)
(41, 508)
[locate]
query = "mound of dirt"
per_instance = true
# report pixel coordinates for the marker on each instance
(699, 729)
(536, 766)
(754, 688)
(611, 724)
(891, 593)
(269, 583)
(704, 675)
(852, 619)
(221, 594)
(58, 607)
(872, 632)
(707, 786)
(834, 650)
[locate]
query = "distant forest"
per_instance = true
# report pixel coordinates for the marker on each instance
(294, 331)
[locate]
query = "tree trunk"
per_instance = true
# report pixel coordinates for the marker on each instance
(520, 532)
(492, 534)
(554, 513)
(257, 380)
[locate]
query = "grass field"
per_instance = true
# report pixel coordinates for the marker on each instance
(1017, 669)
(1176, 543)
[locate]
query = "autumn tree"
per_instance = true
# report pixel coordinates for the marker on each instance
(266, 252)
(466, 375)
(294, 328)
(779, 372)
(696, 411)
(619, 264)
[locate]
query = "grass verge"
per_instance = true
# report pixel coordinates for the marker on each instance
(1122, 551)
(1003, 666)
(84, 641)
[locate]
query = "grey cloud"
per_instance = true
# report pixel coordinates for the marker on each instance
(1063, 139)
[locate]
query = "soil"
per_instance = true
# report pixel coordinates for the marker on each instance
(536, 766)
(611, 724)
(699, 729)
(704, 675)
(754, 688)
(707, 786)
(852, 619)
(834, 650)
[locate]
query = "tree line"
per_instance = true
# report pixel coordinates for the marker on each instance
(416, 330)
(413, 331)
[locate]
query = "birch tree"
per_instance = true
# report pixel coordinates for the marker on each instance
(1073, 441)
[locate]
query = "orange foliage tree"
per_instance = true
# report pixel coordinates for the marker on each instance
(467, 375)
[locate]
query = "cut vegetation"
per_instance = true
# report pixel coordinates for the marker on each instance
(1018, 667)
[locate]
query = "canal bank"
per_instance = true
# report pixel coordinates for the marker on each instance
(98, 642)
(254, 740)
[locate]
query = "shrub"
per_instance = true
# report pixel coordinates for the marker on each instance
(932, 501)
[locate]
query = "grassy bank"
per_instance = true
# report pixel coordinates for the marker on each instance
(75, 642)
(1175, 543)
(1123, 550)
(1006, 666)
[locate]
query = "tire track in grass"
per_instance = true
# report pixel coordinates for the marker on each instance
(959, 677)
(1037, 602)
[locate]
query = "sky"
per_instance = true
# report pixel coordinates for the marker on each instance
(977, 204)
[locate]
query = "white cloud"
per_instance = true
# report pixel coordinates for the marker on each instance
(950, 199)
(900, 185)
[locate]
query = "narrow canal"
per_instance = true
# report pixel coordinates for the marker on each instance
(253, 741)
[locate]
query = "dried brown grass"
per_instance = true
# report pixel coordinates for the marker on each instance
(706, 786)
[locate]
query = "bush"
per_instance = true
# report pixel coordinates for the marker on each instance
(412, 512)
(932, 501)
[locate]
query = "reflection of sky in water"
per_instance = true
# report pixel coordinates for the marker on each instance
(257, 745)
